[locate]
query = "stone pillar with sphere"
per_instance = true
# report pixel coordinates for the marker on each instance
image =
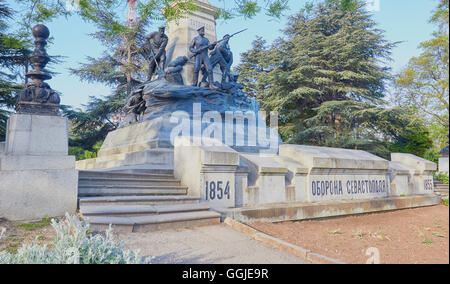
(37, 176)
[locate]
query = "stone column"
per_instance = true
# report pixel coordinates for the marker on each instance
(37, 177)
(182, 33)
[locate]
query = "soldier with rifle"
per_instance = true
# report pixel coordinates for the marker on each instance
(199, 48)
(221, 55)
(157, 42)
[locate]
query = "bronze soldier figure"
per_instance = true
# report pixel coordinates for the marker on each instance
(136, 105)
(199, 47)
(223, 56)
(157, 42)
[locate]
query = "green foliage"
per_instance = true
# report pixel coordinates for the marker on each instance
(442, 177)
(74, 244)
(432, 155)
(35, 225)
(326, 79)
(11, 60)
(272, 8)
(89, 127)
(424, 82)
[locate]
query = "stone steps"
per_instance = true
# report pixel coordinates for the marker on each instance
(155, 222)
(158, 159)
(105, 190)
(137, 200)
(140, 200)
(83, 181)
(126, 175)
(140, 210)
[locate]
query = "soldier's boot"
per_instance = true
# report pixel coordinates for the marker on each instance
(211, 80)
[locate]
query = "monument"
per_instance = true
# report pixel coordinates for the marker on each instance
(215, 140)
(37, 177)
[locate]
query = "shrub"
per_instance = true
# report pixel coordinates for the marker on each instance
(442, 177)
(74, 244)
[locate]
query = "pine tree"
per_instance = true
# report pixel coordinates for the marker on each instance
(12, 52)
(326, 77)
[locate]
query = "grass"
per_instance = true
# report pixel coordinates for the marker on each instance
(438, 235)
(445, 201)
(35, 225)
(17, 234)
(336, 232)
(359, 234)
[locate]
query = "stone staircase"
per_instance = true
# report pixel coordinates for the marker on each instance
(441, 189)
(139, 201)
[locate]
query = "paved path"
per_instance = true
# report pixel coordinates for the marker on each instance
(217, 244)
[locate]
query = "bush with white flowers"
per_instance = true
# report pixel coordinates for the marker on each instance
(74, 244)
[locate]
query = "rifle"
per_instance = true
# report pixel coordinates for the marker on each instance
(159, 70)
(213, 44)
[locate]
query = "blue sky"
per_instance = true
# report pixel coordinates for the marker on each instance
(403, 20)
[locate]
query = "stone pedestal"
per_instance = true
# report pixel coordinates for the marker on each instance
(37, 177)
(420, 172)
(182, 33)
(337, 174)
(208, 171)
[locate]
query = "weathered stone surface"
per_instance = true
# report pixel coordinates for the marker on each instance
(337, 174)
(421, 172)
(208, 171)
(37, 177)
(411, 161)
(158, 159)
(36, 193)
(401, 183)
(37, 135)
(266, 179)
(333, 158)
(22, 163)
(306, 211)
(2, 147)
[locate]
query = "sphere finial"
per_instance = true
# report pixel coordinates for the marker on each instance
(41, 31)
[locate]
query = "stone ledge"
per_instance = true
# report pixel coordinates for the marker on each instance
(159, 158)
(413, 162)
(305, 211)
(264, 165)
(23, 163)
(334, 158)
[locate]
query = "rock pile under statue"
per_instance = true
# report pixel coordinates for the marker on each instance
(160, 109)
(157, 107)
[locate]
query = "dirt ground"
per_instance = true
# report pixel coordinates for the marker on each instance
(18, 234)
(413, 236)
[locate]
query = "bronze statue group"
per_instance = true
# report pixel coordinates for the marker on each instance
(204, 61)
(206, 56)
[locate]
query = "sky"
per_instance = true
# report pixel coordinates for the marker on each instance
(403, 20)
